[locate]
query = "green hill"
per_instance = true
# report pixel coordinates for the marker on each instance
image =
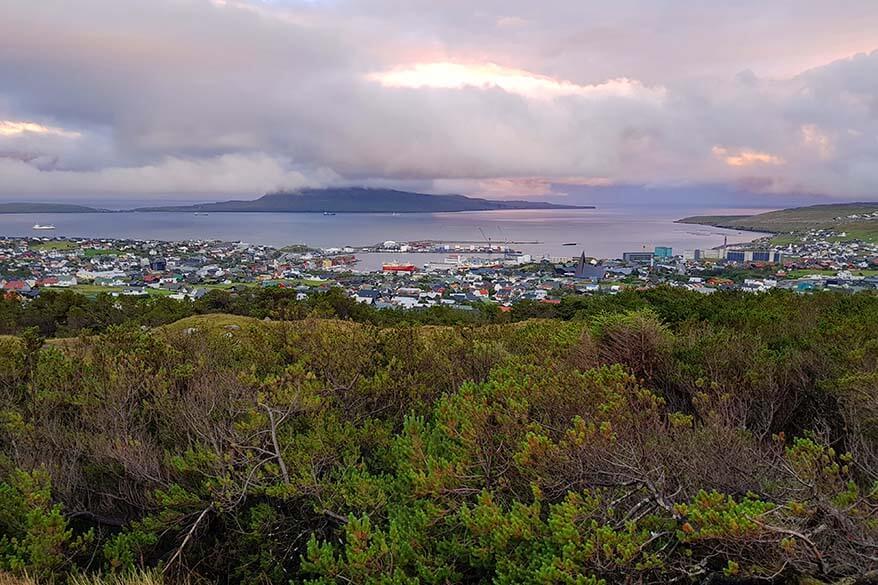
(836, 216)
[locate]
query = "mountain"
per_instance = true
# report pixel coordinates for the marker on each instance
(836, 216)
(362, 200)
(23, 207)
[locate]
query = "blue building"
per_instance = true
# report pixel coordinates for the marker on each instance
(664, 252)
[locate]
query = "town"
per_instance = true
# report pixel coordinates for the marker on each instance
(468, 274)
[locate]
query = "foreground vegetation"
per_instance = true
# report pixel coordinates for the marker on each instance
(649, 437)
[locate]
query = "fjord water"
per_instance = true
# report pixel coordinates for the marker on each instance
(604, 233)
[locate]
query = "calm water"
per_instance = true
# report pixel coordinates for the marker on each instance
(602, 233)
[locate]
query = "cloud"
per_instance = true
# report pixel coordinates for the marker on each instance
(813, 137)
(237, 97)
(446, 75)
(14, 128)
(744, 157)
(507, 22)
(226, 174)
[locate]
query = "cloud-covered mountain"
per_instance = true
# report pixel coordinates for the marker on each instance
(360, 200)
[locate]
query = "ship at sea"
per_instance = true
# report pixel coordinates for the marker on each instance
(328, 213)
(397, 267)
(43, 227)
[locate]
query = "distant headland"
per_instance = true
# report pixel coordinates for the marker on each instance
(331, 200)
(25, 207)
(361, 200)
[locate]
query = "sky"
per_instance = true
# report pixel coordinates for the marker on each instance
(559, 99)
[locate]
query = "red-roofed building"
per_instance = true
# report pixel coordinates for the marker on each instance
(15, 285)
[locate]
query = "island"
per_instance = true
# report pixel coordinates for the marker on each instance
(25, 207)
(361, 200)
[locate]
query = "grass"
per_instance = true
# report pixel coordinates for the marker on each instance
(790, 225)
(92, 252)
(289, 282)
(799, 273)
(93, 290)
(796, 220)
(213, 323)
(229, 286)
(866, 231)
(65, 245)
(712, 219)
(10, 579)
(8, 343)
(785, 239)
(54, 245)
(135, 578)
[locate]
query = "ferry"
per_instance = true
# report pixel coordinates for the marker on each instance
(43, 227)
(328, 213)
(397, 267)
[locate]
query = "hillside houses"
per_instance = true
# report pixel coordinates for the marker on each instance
(189, 270)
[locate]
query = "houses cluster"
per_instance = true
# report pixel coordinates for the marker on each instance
(189, 269)
(127, 267)
(504, 282)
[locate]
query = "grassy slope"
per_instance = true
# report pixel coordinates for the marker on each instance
(53, 245)
(93, 290)
(800, 219)
(212, 322)
(713, 219)
(241, 328)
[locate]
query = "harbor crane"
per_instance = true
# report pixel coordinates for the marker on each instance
(487, 239)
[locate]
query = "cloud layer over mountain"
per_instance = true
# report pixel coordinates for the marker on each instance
(232, 97)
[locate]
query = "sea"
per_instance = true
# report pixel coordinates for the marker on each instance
(601, 233)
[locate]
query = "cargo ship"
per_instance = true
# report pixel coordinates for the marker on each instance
(397, 267)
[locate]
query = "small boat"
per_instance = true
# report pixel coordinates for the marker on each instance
(328, 213)
(43, 227)
(570, 244)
